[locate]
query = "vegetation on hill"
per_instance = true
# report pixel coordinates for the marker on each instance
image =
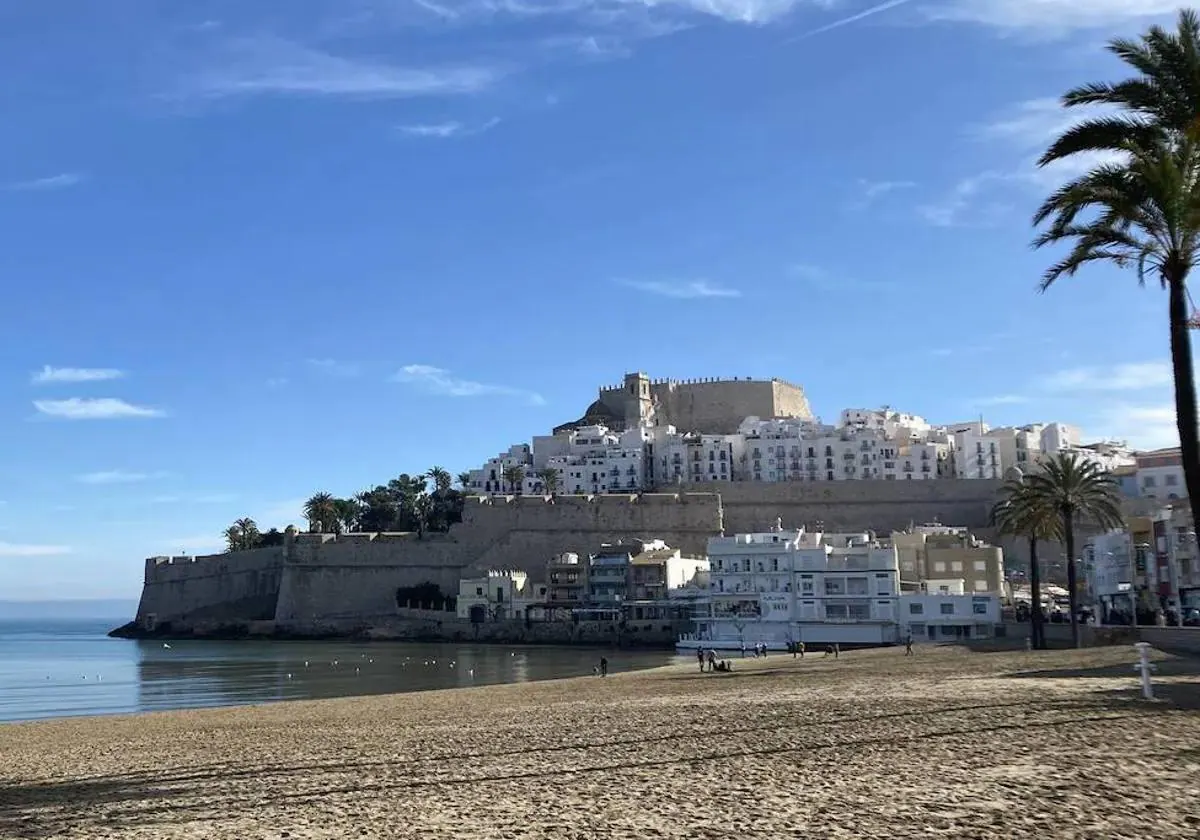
(1136, 203)
(420, 503)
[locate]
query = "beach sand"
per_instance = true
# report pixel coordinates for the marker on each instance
(874, 745)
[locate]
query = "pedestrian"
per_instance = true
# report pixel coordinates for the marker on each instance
(908, 646)
(837, 649)
(792, 649)
(700, 658)
(603, 666)
(712, 660)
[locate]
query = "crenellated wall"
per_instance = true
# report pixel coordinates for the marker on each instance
(317, 576)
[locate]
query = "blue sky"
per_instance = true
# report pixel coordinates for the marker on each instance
(259, 249)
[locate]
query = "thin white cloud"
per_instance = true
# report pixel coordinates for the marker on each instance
(53, 182)
(439, 381)
(1125, 377)
(445, 130)
(103, 408)
(871, 190)
(50, 374)
(332, 367)
(1150, 426)
(854, 18)
(18, 550)
(116, 477)
(1047, 17)
(684, 290)
(274, 66)
(1002, 399)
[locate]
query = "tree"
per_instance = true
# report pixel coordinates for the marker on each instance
(321, 512)
(243, 535)
(549, 479)
(1077, 490)
(1020, 513)
(442, 481)
(464, 482)
(377, 509)
(515, 477)
(1139, 207)
(347, 512)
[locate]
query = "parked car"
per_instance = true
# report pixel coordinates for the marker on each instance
(1190, 617)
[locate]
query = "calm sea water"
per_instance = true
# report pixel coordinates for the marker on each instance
(70, 667)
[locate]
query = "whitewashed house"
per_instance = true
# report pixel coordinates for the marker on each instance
(942, 617)
(498, 596)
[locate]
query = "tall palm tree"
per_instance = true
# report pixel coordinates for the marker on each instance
(464, 481)
(1077, 490)
(549, 479)
(321, 512)
(515, 476)
(1020, 514)
(347, 512)
(1139, 206)
(442, 481)
(243, 535)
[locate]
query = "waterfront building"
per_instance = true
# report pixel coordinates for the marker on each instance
(498, 595)
(937, 552)
(947, 616)
(1160, 474)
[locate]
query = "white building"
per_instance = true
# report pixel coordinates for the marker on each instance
(497, 596)
(948, 616)
(1160, 474)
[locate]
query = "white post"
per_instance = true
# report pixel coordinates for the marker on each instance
(1144, 668)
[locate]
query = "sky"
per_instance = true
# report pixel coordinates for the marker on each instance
(255, 250)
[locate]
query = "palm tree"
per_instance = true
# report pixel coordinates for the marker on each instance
(233, 538)
(321, 512)
(464, 481)
(441, 478)
(1019, 514)
(549, 479)
(1140, 203)
(243, 535)
(347, 512)
(1076, 490)
(515, 476)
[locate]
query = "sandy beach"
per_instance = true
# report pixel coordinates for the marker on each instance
(874, 745)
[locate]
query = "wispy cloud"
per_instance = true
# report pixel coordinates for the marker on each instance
(445, 130)
(274, 66)
(1020, 133)
(1047, 17)
(439, 381)
(871, 190)
(50, 374)
(1125, 377)
(103, 408)
(53, 182)
(1151, 426)
(823, 280)
(1001, 399)
(332, 367)
(683, 289)
(116, 477)
(854, 18)
(18, 550)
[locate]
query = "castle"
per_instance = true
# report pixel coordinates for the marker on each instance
(318, 581)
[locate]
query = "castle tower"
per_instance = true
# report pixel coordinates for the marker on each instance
(639, 405)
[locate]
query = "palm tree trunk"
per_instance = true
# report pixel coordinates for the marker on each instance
(1185, 393)
(1072, 577)
(1036, 619)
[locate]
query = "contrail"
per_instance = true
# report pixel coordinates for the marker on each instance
(865, 13)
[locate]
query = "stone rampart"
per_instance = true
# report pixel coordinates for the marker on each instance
(318, 576)
(223, 586)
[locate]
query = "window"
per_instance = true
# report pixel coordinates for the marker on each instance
(774, 564)
(856, 586)
(981, 586)
(981, 565)
(915, 609)
(858, 611)
(1171, 480)
(979, 608)
(939, 566)
(479, 591)
(947, 609)
(835, 586)
(917, 629)
(836, 611)
(1148, 481)
(956, 566)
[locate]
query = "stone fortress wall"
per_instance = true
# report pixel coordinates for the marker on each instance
(319, 577)
(712, 405)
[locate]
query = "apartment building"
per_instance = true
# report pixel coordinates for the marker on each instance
(939, 552)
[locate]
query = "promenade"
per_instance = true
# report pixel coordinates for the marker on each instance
(945, 743)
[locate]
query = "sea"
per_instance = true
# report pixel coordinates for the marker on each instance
(68, 666)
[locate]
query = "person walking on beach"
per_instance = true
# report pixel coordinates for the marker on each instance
(603, 666)
(700, 658)
(908, 646)
(712, 660)
(837, 650)
(800, 648)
